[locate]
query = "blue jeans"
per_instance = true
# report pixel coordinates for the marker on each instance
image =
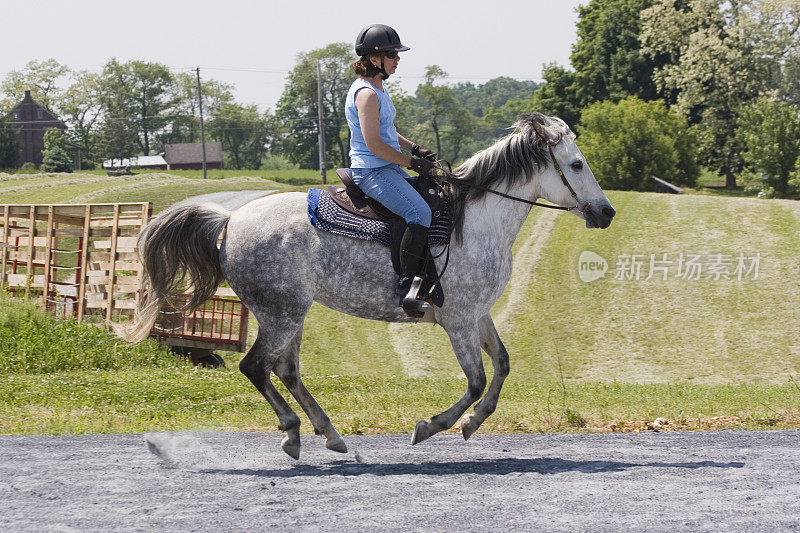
(389, 185)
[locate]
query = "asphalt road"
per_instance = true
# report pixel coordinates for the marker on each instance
(716, 481)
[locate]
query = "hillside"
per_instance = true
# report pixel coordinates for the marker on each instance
(705, 331)
(623, 330)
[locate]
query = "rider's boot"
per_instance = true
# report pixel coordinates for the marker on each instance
(413, 250)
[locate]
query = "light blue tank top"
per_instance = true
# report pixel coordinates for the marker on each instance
(360, 156)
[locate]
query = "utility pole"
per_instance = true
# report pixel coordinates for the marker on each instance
(321, 127)
(202, 126)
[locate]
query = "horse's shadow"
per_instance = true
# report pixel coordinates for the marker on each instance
(506, 466)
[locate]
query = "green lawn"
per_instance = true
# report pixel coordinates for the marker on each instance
(174, 398)
(609, 354)
(160, 188)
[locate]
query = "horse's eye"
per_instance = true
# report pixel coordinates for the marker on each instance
(577, 166)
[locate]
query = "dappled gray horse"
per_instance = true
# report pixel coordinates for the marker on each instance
(278, 264)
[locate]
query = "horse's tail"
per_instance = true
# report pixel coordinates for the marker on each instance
(179, 241)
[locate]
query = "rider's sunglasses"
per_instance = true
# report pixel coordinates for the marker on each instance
(391, 54)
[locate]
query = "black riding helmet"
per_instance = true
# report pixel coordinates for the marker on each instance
(378, 38)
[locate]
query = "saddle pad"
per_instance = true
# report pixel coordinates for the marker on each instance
(325, 214)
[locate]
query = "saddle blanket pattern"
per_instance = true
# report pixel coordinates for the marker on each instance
(325, 214)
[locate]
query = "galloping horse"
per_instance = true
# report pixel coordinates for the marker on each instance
(278, 264)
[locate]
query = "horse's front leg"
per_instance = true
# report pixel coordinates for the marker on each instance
(491, 343)
(466, 345)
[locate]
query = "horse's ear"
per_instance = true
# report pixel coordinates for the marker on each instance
(540, 130)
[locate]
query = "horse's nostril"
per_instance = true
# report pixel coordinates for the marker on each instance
(609, 212)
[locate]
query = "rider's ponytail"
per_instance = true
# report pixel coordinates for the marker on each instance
(364, 67)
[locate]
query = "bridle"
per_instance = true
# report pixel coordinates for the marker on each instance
(448, 177)
(440, 173)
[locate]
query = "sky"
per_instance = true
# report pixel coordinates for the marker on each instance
(254, 44)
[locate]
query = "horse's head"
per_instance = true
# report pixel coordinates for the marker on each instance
(568, 180)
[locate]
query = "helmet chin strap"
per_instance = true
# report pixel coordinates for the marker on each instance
(382, 69)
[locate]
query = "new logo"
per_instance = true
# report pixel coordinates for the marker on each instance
(591, 266)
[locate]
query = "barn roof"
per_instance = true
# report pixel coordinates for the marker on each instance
(142, 161)
(24, 114)
(183, 153)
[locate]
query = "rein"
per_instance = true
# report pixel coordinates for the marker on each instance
(448, 177)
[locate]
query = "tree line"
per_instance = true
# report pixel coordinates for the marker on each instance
(654, 87)
(136, 107)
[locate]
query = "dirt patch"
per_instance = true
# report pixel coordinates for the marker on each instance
(697, 481)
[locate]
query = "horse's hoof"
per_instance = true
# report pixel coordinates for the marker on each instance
(336, 444)
(468, 427)
(291, 447)
(421, 432)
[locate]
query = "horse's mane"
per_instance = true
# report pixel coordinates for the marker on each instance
(511, 160)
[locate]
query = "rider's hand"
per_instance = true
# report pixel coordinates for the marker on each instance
(424, 153)
(421, 166)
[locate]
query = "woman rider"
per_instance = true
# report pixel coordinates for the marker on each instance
(375, 150)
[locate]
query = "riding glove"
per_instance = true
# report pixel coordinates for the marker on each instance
(421, 166)
(424, 153)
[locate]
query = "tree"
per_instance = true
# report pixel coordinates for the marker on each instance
(770, 132)
(142, 93)
(461, 126)
(54, 156)
(627, 142)
(117, 139)
(719, 56)
(435, 101)
(405, 105)
(9, 146)
(184, 127)
(607, 57)
(493, 94)
(243, 132)
(81, 106)
(556, 96)
(297, 108)
(40, 77)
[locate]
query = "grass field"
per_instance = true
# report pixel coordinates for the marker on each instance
(615, 353)
(160, 188)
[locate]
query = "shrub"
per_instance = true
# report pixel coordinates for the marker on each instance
(627, 142)
(33, 342)
(794, 179)
(54, 156)
(56, 159)
(9, 147)
(27, 167)
(53, 137)
(770, 133)
(277, 162)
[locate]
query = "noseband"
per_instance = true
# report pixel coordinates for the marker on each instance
(451, 179)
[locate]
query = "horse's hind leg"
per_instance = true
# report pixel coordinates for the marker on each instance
(287, 368)
(466, 345)
(491, 343)
(257, 365)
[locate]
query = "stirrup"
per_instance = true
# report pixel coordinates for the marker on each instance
(412, 305)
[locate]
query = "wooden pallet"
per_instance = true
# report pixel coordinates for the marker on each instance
(80, 260)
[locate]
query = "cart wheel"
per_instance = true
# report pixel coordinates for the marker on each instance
(200, 357)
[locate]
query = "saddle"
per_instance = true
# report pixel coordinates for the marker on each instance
(353, 200)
